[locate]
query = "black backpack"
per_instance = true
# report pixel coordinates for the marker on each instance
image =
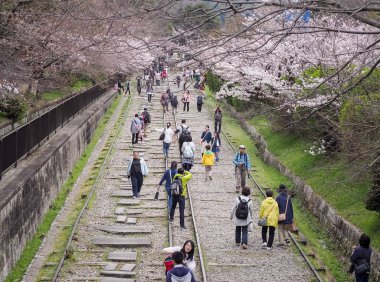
(176, 188)
(199, 100)
(146, 117)
(185, 133)
(242, 209)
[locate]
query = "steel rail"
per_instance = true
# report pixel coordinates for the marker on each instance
(93, 188)
(203, 268)
(308, 262)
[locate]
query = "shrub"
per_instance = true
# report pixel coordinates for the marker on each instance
(14, 107)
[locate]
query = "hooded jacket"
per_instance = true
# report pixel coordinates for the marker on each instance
(269, 208)
(180, 273)
(208, 158)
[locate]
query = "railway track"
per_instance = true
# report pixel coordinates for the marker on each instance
(116, 238)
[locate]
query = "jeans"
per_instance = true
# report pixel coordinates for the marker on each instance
(218, 125)
(241, 234)
(362, 278)
(135, 138)
(199, 107)
(186, 105)
(170, 198)
(158, 82)
(137, 182)
(264, 231)
(166, 147)
(181, 201)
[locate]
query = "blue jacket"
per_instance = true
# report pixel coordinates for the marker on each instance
(166, 177)
(242, 159)
(281, 201)
(206, 136)
(180, 273)
(361, 253)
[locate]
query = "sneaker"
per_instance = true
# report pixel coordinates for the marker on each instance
(244, 246)
(287, 241)
(210, 177)
(171, 221)
(238, 244)
(269, 249)
(138, 195)
(264, 245)
(134, 197)
(183, 227)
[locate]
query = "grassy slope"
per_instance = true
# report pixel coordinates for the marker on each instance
(77, 86)
(33, 244)
(269, 177)
(330, 178)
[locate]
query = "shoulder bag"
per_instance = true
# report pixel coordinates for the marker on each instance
(263, 221)
(282, 216)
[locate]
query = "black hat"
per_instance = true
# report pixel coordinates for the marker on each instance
(282, 188)
(145, 109)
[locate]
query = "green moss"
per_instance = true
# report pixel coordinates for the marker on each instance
(33, 244)
(319, 241)
(53, 95)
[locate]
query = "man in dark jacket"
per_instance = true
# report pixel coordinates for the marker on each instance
(179, 273)
(361, 259)
(168, 178)
(285, 207)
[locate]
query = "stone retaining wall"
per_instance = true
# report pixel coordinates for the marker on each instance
(342, 232)
(26, 192)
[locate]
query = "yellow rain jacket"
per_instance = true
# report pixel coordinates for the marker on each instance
(269, 208)
(208, 158)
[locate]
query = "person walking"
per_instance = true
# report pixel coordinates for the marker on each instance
(205, 138)
(285, 207)
(137, 169)
(174, 103)
(186, 100)
(215, 145)
(242, 165)
(163, 75)
(139, 85)
(135, 129)
(120, 86)
(146, 118)
(164, 101)
(149, 92)
(268, 211)
(200, 101)
(142, 128)
(168, 138)
(184, 132)
(128, 87)
(361, 259)
(218, 118)
(168, 178)
(241, 213)
(208, 159)
(188, 150)
(180, 199)
(178, 80)
(179, 273)
(157, 77)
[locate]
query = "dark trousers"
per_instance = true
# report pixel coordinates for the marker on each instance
(186, 105)
(135, 138)
(149, 98)
(181, 201)
(178, 83)
(241, 234)
(362, 278)
(127, 91)
(199, 107)
(186, 166)
(137, 182)
(264, 231)
(180, 142)
(218, 126)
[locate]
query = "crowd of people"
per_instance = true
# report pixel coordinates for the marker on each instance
(275, 212)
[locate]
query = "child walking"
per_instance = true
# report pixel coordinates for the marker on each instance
(208, 162)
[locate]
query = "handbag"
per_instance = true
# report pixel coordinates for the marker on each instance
(263, 221)
(282, 216)
(162, 136)
(362, 266)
